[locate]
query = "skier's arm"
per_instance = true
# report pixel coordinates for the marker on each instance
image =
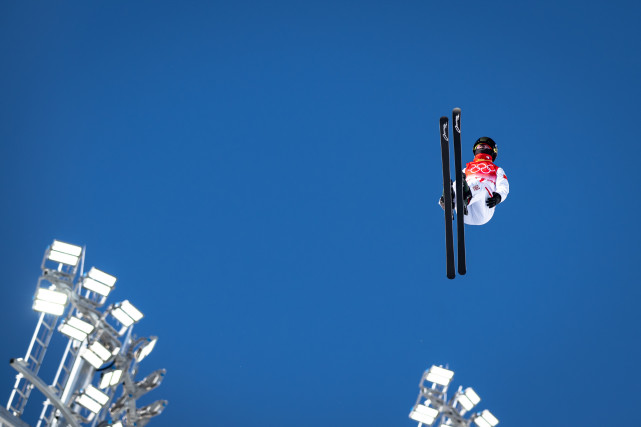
(502, 185)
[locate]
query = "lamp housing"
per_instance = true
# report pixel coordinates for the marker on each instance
(50, 301)
(440, 376)
(64, 253)
(468, 399)
(99, 282)
(486, 419)
(424, 414)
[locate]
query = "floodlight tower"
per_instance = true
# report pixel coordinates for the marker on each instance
(99, 342)
(432, 404)
(52, 294)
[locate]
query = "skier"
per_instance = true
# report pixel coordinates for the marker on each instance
(485, 184)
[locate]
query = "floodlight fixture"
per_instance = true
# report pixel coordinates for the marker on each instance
(96, 394)
(92, 399)
(92, 358)
(143, 351)
(88, 403)
(64, 253)
(126, 313)
(469, 399)
(50, 301)
(76, 328)
(110, 379)
(152, 409)
(151, 381)
(424, 414)
(440, 376)
(98, 352)
(486, 419)
(99, 282)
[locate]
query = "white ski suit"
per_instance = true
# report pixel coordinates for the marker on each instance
(484, 179)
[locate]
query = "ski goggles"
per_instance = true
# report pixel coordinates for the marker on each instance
(482, 146)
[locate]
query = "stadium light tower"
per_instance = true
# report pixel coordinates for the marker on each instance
(102, 353)
(432, 404)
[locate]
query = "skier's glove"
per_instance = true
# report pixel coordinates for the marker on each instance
(493, 201)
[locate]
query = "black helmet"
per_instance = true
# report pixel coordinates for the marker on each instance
(489, 141)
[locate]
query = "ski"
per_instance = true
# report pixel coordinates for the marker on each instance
(458, 173)
(447, 197)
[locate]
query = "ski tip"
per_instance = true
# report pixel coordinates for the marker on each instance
(444, 119)
(451, 276)
(456, 110)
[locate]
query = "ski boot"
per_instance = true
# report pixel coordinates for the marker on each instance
(441, 201)
(467, 195)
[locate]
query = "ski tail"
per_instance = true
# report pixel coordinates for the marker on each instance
(447, 196)
(460, 207)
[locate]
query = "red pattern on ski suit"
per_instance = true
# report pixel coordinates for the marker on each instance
(481, 170)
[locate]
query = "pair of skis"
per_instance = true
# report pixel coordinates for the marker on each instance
(447, 194)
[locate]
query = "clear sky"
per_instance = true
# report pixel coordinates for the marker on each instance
(262, 178)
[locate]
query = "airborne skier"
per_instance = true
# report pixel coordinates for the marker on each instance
(485, 184)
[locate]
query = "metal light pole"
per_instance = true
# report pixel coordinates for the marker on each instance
(432, 404)
(101, 354)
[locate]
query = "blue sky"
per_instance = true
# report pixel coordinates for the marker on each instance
(262, 178)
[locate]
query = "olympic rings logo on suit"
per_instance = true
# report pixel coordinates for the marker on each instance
(483, 168)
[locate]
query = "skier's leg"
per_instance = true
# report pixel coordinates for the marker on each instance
(478, 212)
